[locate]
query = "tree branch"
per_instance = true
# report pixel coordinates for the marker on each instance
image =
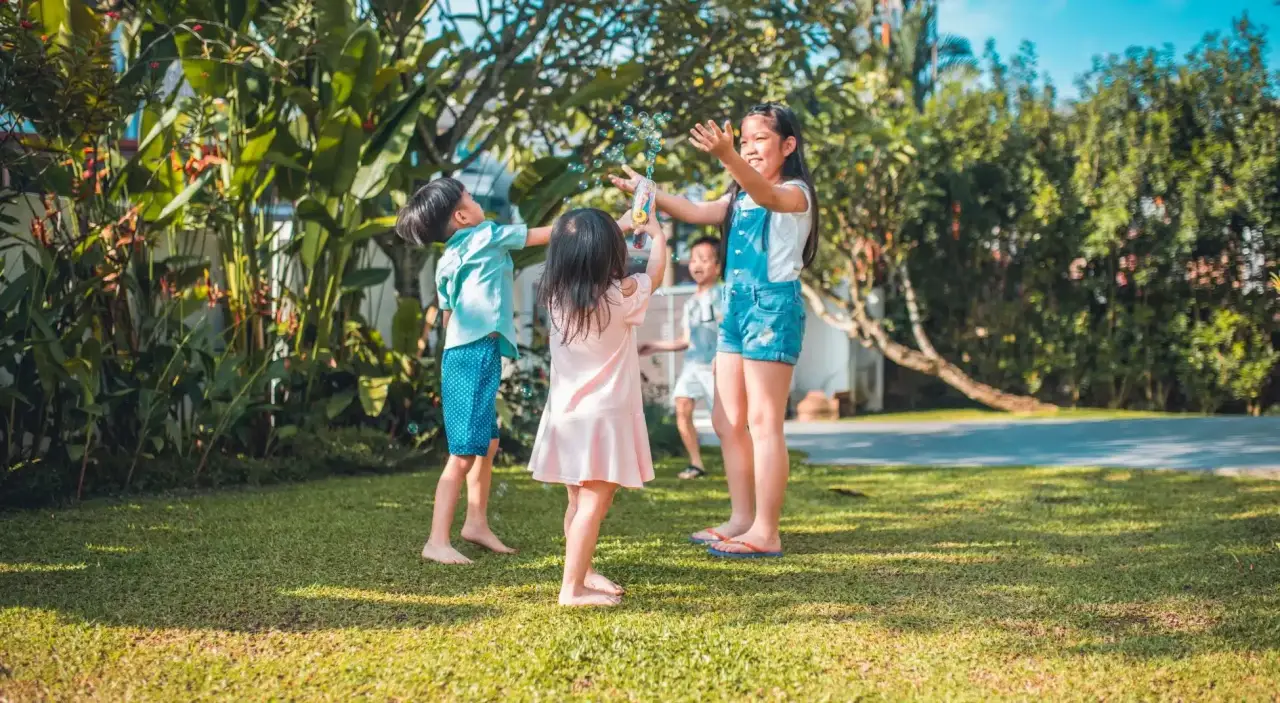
(913, 313)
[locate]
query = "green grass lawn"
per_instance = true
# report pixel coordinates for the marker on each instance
(981, 414)
(974, 584)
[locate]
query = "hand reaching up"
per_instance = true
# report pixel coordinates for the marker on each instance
(628, 184)
(712, 139)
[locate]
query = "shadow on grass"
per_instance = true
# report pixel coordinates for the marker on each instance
(1129, 562)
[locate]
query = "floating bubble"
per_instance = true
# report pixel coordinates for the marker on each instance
(596, 163)
(626, 111)
(413, 428)
(644, 116)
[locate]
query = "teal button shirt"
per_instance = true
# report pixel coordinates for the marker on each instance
(475, 279)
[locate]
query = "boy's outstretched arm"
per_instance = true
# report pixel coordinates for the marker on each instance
(668, 345)
(537, 236)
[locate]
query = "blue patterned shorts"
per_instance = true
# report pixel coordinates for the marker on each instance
(763, 321)
(469, 379)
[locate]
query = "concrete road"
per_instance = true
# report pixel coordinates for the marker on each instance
(1219, 444)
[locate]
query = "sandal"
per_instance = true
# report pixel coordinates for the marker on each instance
(717, 538)
(692, 472)
(753, 552)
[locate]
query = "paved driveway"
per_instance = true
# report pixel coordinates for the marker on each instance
(1221, 444)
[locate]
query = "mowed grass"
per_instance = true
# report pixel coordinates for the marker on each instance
(904, 583)
(985, 415)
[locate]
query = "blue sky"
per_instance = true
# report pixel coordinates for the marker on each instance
(1069, 33)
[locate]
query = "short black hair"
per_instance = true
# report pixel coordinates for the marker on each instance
(713, 241)
(425, 218)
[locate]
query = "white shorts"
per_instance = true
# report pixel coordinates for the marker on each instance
(697, 382)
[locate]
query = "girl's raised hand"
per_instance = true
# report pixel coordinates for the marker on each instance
(712, 139)
(628, 184)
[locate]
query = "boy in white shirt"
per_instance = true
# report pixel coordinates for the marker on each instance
(702, 315)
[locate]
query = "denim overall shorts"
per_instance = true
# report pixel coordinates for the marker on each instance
(763, 320)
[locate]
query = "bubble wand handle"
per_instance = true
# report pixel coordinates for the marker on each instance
(642, 208)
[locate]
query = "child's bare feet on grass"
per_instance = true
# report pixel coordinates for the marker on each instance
(484, 537)
(596, 582)
(587, 598)
(445, 554)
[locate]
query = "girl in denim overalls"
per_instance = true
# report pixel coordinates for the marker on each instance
(770, 223)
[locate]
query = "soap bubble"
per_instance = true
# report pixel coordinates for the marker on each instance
(626, 111)
(596, 163)
(644, 117)
(413, 428)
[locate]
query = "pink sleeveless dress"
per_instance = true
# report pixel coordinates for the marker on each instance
(593, 427)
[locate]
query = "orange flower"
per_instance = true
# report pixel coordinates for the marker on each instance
(40, 233)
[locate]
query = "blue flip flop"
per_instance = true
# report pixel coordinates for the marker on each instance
(754, 553)
(716, 538)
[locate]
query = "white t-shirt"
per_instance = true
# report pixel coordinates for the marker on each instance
(788, 232)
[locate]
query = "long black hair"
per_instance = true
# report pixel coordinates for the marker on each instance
(585, 258)
(785, 124)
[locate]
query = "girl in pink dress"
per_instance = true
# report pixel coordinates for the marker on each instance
(593, 436)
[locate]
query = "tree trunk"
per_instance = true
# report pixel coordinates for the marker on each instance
(861, 327)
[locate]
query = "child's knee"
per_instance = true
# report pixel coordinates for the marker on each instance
(460, 466)
(726, 426)
(684, 409)
(596, 497)
(764, 421)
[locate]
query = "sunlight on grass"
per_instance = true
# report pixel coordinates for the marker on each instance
(357, 594)
(32, 568)
(934, 584)
(110, 549)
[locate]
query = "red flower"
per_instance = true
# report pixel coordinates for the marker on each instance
(113, 14)
(26, 24)
(155, 65)
(197, 27)
(368, 125)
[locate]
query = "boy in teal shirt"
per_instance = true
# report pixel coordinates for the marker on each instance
(474, 285)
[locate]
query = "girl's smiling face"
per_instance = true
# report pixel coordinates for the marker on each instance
(763, 148)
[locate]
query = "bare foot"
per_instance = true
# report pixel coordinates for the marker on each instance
(484, 537)
(596, 582)
(443, 555)
(720, 532)
(588, 598)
